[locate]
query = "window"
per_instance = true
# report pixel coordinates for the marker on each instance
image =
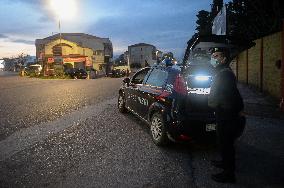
(139, 77)
(98, 52)
(157, 78)
(100, 67)
(57, 51)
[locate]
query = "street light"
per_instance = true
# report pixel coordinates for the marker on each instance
(64, 10)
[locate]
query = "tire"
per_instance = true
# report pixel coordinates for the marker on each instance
(158, 130)
(121, 103)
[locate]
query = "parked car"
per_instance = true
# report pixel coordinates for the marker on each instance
(172, 100)
(76, 73)
(33, 69)
(118, 73)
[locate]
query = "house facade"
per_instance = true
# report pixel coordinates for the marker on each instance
(142, 54)
(76, 50)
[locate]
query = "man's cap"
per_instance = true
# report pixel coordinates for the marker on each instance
(225, 50)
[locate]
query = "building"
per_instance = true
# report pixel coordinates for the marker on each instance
(141, 54)
(159, 55)
(126, 57)
(1, 64)
(77, 50)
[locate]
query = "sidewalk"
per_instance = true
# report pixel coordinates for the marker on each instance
(259, 104)
(260, 151)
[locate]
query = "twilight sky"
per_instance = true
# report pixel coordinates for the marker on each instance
(167, 24)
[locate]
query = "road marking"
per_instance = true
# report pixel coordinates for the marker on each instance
(25, 138)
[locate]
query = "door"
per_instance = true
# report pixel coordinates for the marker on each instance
(150, 90)
(131, 92)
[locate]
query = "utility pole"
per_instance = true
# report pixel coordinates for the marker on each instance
(59, 32)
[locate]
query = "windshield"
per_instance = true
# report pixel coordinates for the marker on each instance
(33, 67)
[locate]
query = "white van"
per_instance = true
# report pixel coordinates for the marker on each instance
(36, 66)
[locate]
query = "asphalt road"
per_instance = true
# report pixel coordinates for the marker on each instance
(69, 133)
(25, 102)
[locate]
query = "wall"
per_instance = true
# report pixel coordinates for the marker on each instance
(242, 67)
(254, 64)
(95, 59)
(271, 75)
(272, 51)
(66, 50)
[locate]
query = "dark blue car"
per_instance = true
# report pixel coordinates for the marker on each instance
(76, 73)
(171, 99)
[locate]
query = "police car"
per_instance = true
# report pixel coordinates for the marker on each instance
(172, 100)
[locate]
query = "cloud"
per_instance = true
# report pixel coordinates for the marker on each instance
(166, 32)
(19, 17)
(23, 41)
(6, 38)
(2, 36)
(166, 24)
(45, 19)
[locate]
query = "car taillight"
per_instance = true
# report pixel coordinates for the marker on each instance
(180, 85)
(163, 96)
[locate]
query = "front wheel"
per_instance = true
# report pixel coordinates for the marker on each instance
(121, 103)
(158, 130)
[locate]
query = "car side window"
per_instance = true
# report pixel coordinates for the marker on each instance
(139, 77)
(157, 78)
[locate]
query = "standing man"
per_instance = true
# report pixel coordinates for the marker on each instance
(127, 72)
(227, 103)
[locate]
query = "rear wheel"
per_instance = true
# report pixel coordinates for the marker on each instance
(121, 103)
(158, 130)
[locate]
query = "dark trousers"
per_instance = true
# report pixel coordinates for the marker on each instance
(226, 140)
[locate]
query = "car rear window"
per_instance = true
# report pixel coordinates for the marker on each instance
(199, 76)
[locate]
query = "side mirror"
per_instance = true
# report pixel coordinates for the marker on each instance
(126, 81)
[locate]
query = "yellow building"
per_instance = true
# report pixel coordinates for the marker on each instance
(76, 50)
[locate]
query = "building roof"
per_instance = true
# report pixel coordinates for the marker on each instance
(82, 39)
(142, 44)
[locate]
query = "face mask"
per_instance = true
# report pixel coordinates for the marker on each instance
(214, 62)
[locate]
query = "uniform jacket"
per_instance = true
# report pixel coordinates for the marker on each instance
(224, 96)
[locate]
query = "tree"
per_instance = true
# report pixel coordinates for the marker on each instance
(216, 7)
(203, 22)
(254, 18)
(120, 60)
(15, 63)
(187, 51)
(264, 17)
(22, 59)
(9, 64)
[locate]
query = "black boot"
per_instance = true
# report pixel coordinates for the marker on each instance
(218, 164)
(224, 177)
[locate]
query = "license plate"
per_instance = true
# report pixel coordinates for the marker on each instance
(210, 127)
